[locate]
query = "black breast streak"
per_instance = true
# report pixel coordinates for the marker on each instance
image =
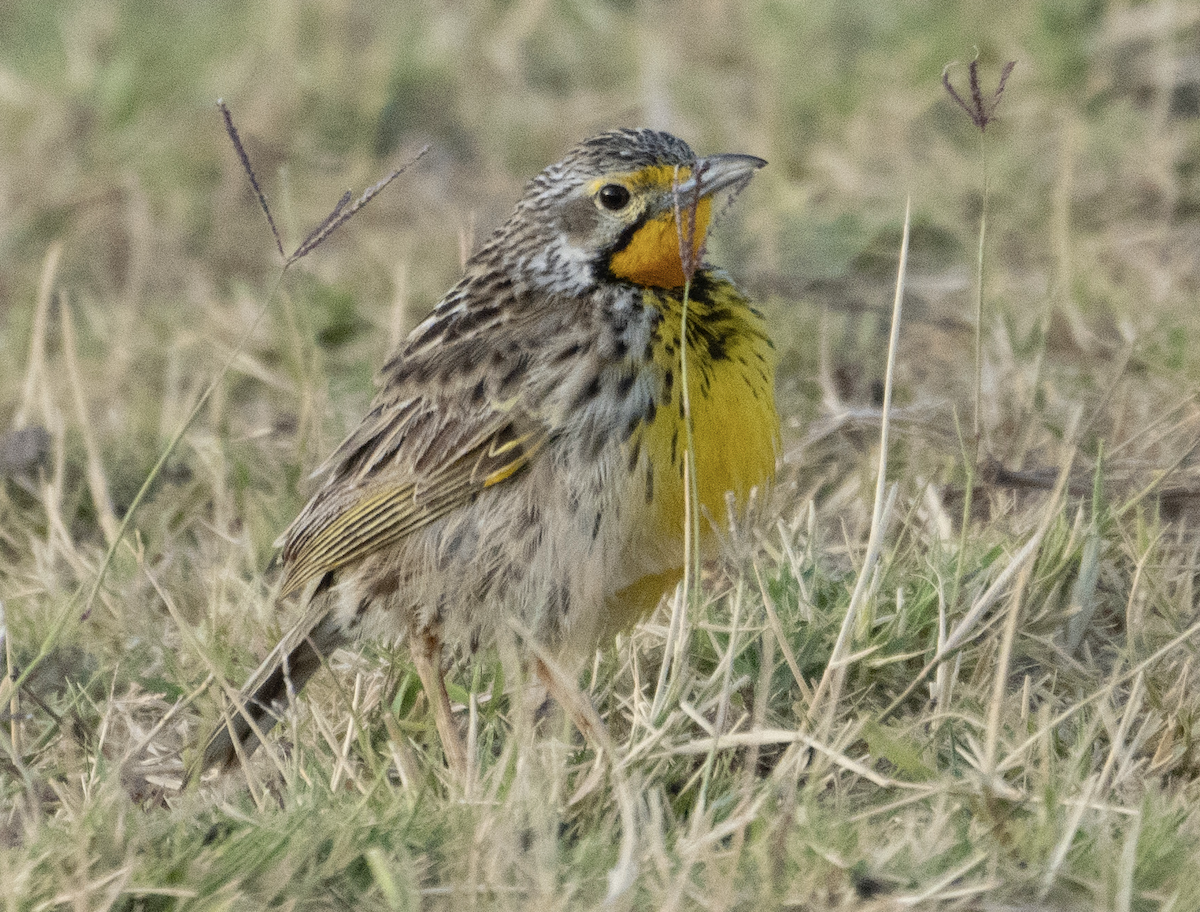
(568, 353)
(595, 439)
(509, 382)
(588, 393)
(384, 586)
(654, 337)
(624, 385)
(450, 549)
(636, 449)
(634, 422)
(497, 359)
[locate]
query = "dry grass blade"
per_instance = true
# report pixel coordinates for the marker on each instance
(773, 736)
(156, 470)
(35, 387)
(97, 480)
(236, 139)
(623, 875)
(1017, 754)
(14, 698)
(341, 214)
(781, 640)
(967, 627)
(938, 889)
(1003, 663)
(322, 230)
(685, 222)
(835, 672)
(1095, 785)
(670, 672)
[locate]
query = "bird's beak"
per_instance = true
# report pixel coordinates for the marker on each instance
(717, 172)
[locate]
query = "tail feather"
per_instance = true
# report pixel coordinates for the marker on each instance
(265, 696)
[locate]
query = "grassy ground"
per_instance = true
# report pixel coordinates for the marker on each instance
(1007, 718)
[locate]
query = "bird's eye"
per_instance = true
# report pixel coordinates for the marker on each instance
(613, 197)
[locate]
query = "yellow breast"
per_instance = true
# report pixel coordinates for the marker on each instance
(731, 391)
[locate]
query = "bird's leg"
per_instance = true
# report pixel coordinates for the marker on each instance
(427, 656)
(577, 706)
(562, 688)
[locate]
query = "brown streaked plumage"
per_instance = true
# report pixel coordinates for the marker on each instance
(522, 463)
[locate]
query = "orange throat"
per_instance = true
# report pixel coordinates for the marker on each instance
(653, 255)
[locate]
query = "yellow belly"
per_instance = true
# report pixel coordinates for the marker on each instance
(735, 432)
(731, 392)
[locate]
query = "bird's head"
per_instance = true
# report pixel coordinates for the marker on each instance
(627, 205)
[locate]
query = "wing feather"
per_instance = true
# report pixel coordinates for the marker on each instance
(342, 525)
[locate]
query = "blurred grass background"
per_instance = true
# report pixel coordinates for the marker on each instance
(134, 262)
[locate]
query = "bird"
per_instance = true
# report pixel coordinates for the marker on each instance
(526, 462)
